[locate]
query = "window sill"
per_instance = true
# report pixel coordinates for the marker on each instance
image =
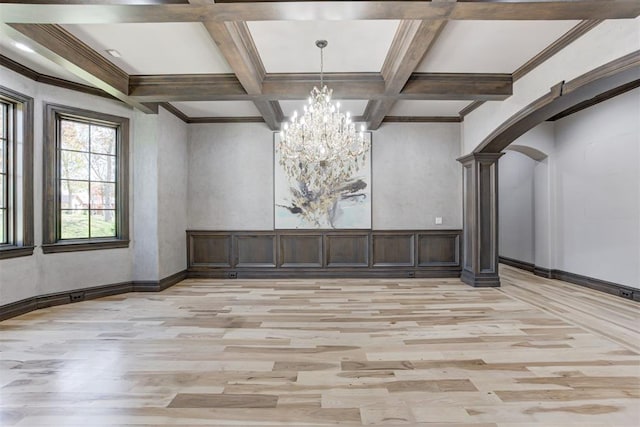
(83, 245)
(10, 251)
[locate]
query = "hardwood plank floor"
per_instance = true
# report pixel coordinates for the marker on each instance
(328, 352)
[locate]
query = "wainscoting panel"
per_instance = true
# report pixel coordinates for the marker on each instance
(393, 249)
(300, 250)
(324, 253)
(255, 250)
(347, 250)
(438, 249)
(209, 250)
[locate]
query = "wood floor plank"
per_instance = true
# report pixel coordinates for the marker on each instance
(207, 400)
(328, 352)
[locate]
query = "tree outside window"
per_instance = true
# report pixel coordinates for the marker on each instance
(86, 180)
(87, 190)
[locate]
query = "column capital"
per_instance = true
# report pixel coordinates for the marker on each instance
(486, 157)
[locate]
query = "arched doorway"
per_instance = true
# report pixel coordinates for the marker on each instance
(480, 172)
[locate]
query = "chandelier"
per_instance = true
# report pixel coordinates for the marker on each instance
(321, 149)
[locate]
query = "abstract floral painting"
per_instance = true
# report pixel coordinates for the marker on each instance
(322, 204)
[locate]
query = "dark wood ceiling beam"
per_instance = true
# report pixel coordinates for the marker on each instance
(376, 111)
(58, 45)
(412, 41)
(105, 13)
(221, 87)
(113, 11)
(545, 9)
(410, 44)
(65, 45)
(51, 80)
(344, 85)
(271, 113)
(187, 87)
(235, 42)
(453, 86)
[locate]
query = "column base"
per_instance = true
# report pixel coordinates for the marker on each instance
(480, 280)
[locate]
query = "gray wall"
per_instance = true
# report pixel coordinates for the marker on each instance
(40, 274)
(415, 176)
(172, 193)
(145, 189)
(516, 206)
(230, 177)
(597, 191)
(586, 209)
(157, 197)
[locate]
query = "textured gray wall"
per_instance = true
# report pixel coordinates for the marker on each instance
(596, 200)
(516, 206)
(40, 274)
(172, 193)
(415, 176)
(230, 177)
(586, 209)
(145, 189)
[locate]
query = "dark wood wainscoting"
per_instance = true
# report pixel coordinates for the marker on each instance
(318, 253)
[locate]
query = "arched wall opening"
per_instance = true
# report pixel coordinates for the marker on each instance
(576, 212)
(481, 174)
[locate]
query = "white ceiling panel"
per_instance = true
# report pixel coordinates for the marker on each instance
(427, 108)
(217, 108)
(37, 62)
(354, 46)
(354, 106)
(166, 48)
(490, 46)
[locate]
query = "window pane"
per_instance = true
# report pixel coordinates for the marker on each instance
(2, 154)
(74, 165)
(3, 227)
(3, 179)
(3, 131)
(74, 194)
(103, 196)
(74, 224)
(103, 223)
(103, 140)
(103, 168)
(74, 136)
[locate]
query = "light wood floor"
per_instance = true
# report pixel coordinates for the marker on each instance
(327, 352)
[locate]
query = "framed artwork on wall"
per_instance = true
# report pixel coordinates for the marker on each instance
(310, 201)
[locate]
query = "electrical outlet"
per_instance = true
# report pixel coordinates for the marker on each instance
(233, 275)
(438, 220)
(411, 274)
(626, 293)
(76, 296)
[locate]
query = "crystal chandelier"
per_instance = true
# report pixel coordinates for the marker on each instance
(322, 148)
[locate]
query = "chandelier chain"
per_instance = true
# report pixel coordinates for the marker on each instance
(321, 67)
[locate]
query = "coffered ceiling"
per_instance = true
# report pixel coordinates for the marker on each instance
(237, 60)
(167, 48)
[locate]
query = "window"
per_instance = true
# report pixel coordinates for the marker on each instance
(16, 174)
(86, 188)
(4, 173)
